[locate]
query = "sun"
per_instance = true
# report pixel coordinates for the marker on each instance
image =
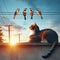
(13, 42)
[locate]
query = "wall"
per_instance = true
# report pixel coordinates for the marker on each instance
(28, 51)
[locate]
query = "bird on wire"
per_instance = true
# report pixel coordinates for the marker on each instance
(24, 13)
(16, 12)
(31, 13)
(39, 13)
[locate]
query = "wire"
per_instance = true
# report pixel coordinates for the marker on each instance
(28, 13)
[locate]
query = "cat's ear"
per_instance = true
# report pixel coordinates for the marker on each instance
(35, 24)
(31, 27)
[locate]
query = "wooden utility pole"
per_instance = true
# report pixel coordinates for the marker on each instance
(8, 32)
(19, 37)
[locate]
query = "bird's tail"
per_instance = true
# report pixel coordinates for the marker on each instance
(41, 17)
(51, 50)
(24, 17)
(14, 16)
(31, 17)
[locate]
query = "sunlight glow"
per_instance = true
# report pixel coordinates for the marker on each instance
(13, 42)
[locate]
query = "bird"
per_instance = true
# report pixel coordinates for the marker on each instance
(16, 12)
(31, 13)
(24, 13)
(39, 13)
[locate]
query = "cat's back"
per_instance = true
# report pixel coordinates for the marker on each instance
(49, 34)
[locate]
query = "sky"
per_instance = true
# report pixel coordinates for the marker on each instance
(50, 10)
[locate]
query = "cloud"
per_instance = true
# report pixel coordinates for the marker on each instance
(5, 21)
(56, 22)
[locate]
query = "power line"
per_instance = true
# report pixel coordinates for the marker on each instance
(28, 13)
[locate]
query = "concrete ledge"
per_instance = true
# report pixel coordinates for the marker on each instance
(28, 51)
(28, 44)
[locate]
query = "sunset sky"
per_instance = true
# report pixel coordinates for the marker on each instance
(51, 18)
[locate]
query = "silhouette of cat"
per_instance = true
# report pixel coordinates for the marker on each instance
(41, 35)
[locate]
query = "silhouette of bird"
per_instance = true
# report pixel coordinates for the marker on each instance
(39, 13)
(31, 13)
(24, 13)
(16, 12)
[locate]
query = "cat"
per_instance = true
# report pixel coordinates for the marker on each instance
(48, 35)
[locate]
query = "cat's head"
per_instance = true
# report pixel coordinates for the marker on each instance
(34, 27)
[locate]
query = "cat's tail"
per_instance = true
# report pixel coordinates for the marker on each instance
(51, 50)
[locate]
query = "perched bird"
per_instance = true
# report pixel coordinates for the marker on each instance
(31, 13)
(39, 13)
(24, 13)
(16, 12)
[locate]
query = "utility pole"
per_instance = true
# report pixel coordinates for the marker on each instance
(9, 31)
(19, 37)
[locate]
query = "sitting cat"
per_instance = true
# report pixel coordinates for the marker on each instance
(44, 35)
